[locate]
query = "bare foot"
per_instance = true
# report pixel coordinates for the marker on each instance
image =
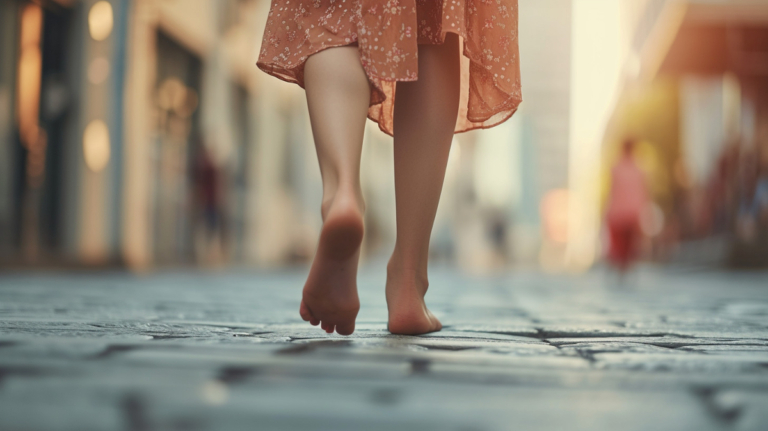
(330, 293)
(408, 314)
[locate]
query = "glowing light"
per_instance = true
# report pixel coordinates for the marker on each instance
(98, 70)
(174, 96)
(96, 145)
(596, 70)
(29, 74)
(554, 212)
(100, 20)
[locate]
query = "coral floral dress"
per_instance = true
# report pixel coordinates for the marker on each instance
(388, 32)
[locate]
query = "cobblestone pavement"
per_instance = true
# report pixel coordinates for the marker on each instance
(213, 351)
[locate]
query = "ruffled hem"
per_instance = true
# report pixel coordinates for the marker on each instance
(500, 114)
(478, 82)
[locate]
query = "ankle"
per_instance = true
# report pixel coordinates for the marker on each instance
(407, 276)
(342, 193)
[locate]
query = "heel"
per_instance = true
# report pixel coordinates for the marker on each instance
(341, 236)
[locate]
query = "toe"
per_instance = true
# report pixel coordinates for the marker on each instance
(436, 325)
(346, 328)
(327, 327)
(305, 313)
(314, 322)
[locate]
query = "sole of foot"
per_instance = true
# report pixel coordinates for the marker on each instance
(408, 314)
(330, 296)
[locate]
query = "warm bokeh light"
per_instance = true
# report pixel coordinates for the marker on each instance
(100, 20)
(172, 94)
(598, 61)
(554, 213)
(30, 70)
(96, 145)
(98, 70)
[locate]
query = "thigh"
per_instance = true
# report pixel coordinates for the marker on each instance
(334, 69)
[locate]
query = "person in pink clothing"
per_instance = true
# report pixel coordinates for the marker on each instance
(627, 199)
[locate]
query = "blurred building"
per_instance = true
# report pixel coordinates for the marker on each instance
(507, 203)
(140, 132)
(694, 92)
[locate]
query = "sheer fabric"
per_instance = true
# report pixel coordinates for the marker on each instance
(388, 32)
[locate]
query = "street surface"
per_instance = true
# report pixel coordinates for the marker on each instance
(190, 350)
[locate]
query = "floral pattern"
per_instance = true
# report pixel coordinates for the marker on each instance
(388, 32)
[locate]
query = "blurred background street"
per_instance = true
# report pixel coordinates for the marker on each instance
(671, 349)
(139, 134)
(599, 260)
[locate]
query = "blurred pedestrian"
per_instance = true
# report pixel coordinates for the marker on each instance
(207, 183)
(627, 199)
(352, 57)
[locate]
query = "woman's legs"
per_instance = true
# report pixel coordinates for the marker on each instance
(338, 95)
(425, 118)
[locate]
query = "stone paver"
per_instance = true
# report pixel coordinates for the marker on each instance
(213, 351)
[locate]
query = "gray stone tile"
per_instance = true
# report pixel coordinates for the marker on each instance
(221, 351)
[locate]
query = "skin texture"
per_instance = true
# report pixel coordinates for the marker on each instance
(338, 95)
(425, 117)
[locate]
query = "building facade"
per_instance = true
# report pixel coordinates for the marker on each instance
(694, 96)
(140, 133)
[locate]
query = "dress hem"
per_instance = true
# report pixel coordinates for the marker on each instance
(271, 68)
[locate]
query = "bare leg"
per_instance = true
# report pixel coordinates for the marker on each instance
(338, 95)
(425, 117)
